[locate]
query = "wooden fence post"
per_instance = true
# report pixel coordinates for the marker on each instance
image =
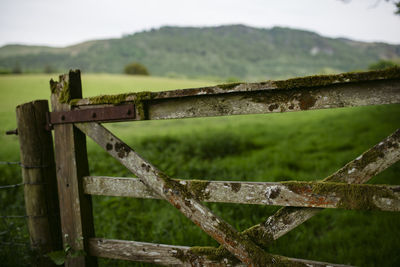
(39, 178)
(72, 165)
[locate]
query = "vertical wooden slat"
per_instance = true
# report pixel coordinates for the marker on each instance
(39, 178)
(72, 165)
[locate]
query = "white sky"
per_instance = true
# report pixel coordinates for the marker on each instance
(66, 22)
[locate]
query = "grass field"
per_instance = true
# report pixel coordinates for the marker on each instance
(274, 147)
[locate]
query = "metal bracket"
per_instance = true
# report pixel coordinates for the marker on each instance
(104, 114)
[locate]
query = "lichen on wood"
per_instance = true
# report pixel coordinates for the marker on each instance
(370, 162)
(258, 256)
(324, 80)
(53, 86)
(228, 86)
(351, 196)
(62, 89)
(198, 189)
(214, 254)
(354, 196)
(257, 234)
(288, 218)
(139, 99)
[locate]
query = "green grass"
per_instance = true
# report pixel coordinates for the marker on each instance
(273, 147)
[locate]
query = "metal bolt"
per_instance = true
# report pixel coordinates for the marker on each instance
(62, 117)
(94, 115)
(12, 132)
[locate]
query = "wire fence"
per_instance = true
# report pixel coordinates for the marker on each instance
(14, 237)
(22, 165)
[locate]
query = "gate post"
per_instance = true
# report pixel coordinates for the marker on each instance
(72, 165)
(39, 178)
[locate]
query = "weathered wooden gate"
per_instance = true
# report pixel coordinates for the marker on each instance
(73, 117)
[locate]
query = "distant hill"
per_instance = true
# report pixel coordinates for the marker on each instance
(224, 51)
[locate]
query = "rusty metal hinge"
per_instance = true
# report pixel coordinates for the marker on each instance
(104, 114)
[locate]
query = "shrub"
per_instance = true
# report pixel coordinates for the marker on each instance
(136, 69)
(5, 71)
(17, 69)
(49, 69)
(382, 64)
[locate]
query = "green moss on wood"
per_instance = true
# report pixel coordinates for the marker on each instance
(286, 214)
(228, 86)
(140, 103)
(65, 94)
(324, 80)
(368, 158)
(220, 254)
(236, 187)
(139, 99)
(259, 236)
(108, 99)
(53, 86)
(352, 196)
(214, 254)
(197, 188)
(74, 102)
(359, 164)
(175, 186)
(246, 239)
(258, 256)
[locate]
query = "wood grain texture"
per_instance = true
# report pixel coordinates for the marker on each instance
(72, 166)
(296, 194)
(240, 246)
(39, 178)
(169, 255)
(165, 105)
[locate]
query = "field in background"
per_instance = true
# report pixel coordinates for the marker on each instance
(273, 147)
(18, 89)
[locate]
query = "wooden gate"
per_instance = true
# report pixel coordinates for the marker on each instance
(73, 117)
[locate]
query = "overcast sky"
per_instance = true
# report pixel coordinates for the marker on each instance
(66, 22)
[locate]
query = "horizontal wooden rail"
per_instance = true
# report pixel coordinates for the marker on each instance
(172, 255)
(298, 194)
(308, 93)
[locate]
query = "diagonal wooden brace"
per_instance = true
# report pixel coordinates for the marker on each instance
(239, 245)
(358, 171)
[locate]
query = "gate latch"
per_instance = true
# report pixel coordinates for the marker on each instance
(104, 114)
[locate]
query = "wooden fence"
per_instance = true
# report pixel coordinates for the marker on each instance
(73, 117)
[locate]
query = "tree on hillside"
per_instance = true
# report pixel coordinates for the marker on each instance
(49, 69)
(382, 64)
(395, 2)
(16, 69)
(136, 68)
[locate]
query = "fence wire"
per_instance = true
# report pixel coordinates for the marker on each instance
(14, 237)
(22, 165)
